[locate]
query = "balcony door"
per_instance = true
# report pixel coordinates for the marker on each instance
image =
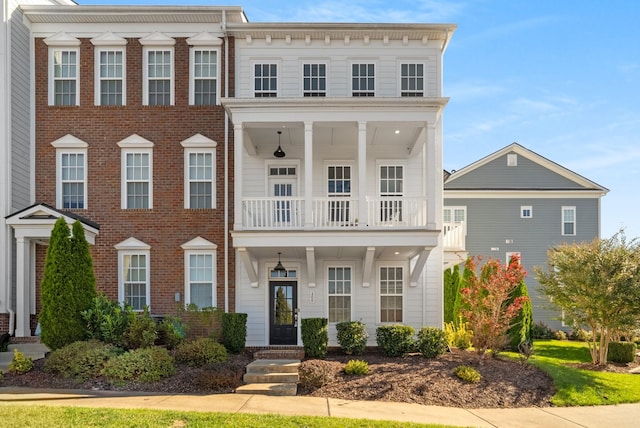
(391, 181)
(282, 186)
(339, 192)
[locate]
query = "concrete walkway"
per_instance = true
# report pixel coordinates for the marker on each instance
(620, 416)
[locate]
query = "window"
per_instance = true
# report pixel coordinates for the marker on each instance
(363, 81)
(454, 214)
(199, 172)
(339, 189)
(64, 67)
(569, 221)
(71, 173)
(412, 80)
(133, 273)
(158, 78)
(266, 80)
(512, 159)
(391, 188)
(315, 80)
(205, 77)
(339, 285)
(512, 254)
(391, 292)
(200, 272)
(111, 69)
(526, 211)
(137, 173)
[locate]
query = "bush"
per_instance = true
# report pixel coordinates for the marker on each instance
(520, 329)
(356, 367)
(459, 335)
(468, 374)
(316, 373)
(395, 340)
(107, 321)
(20, 364)
(579, 334)
(560, 335)
(621, 352)
(542, 331)
(171, 332)
(234, 331)
(143, 365)
(315, 337)
(431, 342)
(141, 331)
(200, 352)
(81, 360)
(352, 337)
(197, 323)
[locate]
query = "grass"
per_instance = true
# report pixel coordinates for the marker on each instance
(44, 416)
(577, 387)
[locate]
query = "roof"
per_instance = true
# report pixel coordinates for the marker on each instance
(41, 211)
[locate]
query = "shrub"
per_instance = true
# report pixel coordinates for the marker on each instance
(560, 335)
(106, 320)
(81, 360)
(20, 364)
(234, 331)
(579, 334)
(356, 367)
(141, 331)
(395, 340)
(540, 330)
(144, 365)
(352, 337)
(316, 373)
(451, 292)
(171, 332)
(520, 329)
(622, 352)
(458, 335)
(315, 337)
(431, 342)
(197, 323)
(200, 352)
(468, 374)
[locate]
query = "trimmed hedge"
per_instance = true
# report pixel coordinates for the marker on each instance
(81, 360)
(432, 342)
(621, 352)
(395, 340)
(234, 331)
(352, 337)
(315, 337)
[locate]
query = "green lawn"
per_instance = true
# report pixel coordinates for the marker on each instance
(14, 416)
(575, 387)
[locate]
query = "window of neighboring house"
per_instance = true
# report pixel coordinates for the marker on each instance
(199, 172)
(204, 75)
(526, 211)
(71, 173)
(391, 179)
(512, 159)
(133, 273)
(363, 80)
(391, 282)
(110, 86)
(339, 286)
(412, 80)
(265, 80)
(339, 191)
(569, 221)
(314, 80)
(137, 173)
(511, 254)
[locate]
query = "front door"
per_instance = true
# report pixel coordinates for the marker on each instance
(283, 305)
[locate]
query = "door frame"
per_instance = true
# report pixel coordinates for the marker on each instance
(272, 283)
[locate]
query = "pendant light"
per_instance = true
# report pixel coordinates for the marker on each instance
(279, 268)
(279, 153)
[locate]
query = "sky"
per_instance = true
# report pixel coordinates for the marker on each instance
(561, 78)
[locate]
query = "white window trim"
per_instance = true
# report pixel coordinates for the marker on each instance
(331, 264)
(392, 163)
(375, 75)
(291, 163)
(509, 254)
(523, 208)
(404, 290)
(192, 75)
(134, 144)
(453, 208)
(52, 80)
(129, 247)
(326, 75)
(64, 145)
(512, 159)
(197, 246)
(253, 76)
(199, 144)
(350, 164)
(575, 220)
(157, 42)
(424, 76)
(97, 78)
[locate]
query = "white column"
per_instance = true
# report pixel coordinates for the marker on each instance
(362, 174)
(23, 287)
(308, 175)
(434, 178)
(238, 153)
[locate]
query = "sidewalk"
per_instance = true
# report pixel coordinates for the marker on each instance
(620, 416)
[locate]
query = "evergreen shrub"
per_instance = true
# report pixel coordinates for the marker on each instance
(81, 360)
(395, 340)
(200, 352)
(431, 342)
(234, 331)
(143, 365)
(315, 337)
(352, 337)
(621, 352)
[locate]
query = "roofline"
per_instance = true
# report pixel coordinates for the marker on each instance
(69, 214)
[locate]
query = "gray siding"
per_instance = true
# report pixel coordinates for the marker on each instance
(492, 222)
(20, 113)
(526, 175)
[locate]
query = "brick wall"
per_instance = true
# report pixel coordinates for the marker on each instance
(168, 225)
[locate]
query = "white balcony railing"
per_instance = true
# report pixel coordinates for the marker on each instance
(273, 213)
(454, 236)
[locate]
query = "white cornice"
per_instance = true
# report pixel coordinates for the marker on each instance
(204, 39)
(157, 39)
(61, 39)
(135, 141)
(198, 140)
(523, 194)
(108, 39)
(69, 142)
(132, 244)
(199, 243)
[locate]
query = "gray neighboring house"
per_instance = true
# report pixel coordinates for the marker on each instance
(516, 201)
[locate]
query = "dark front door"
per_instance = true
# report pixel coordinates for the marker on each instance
(283, 305)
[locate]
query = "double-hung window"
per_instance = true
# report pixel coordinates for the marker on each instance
(64, 70)
(158, 70)
(200, 272)
(137, 173)
(363, 80)
(199, 172)
(412, 80)
(204, 68)
(339, 281)
(71, 173)
(391, 288)
(568, 221)
(134, 273)
(110, 70)
(314, 80)
(265, 80)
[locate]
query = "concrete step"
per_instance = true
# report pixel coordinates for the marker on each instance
(279, 354)
(271, 378)
(33, 350)
(272, 389)
(273, 366)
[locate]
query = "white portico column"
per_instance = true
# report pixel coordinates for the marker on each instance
(362, 174)
(434, 177)
(23, 287)
(238, 145)
(308, 175)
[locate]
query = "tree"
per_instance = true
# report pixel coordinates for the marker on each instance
(520, 330)
(83, 277)
(597, 285)
(486, 305)
(451, 294)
